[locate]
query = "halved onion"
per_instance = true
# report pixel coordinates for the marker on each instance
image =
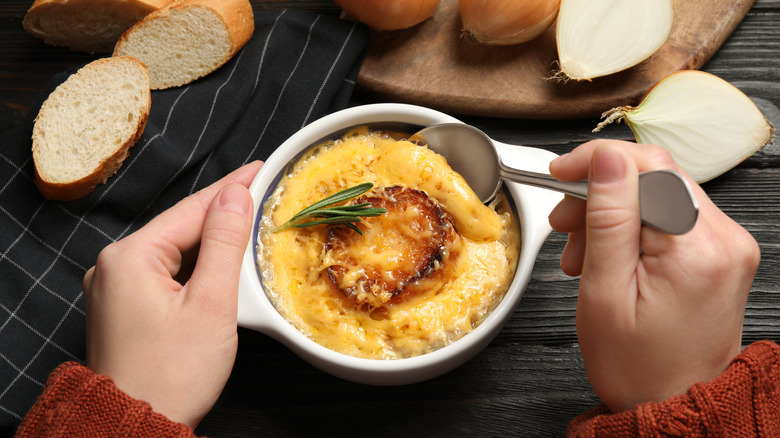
(708, 125)
(598, 38)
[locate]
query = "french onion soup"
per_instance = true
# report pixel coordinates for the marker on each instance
(423, 270)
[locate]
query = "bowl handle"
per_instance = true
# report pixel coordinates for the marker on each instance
(254, 312)
(543, 200)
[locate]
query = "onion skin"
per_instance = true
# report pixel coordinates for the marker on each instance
(506, 22)
(389, 14)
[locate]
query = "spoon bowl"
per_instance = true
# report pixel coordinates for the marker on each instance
(666, 201)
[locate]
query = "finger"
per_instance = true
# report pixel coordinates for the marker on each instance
(612, 227)
(568, 215)
(214, 281)
(575, 165)
(86, 283)
(574, 253)
(188, 260)
(656, 242)
(178, 229)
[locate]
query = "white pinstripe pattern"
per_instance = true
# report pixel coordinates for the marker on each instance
(140, 153)
(265, 49)
(10, 412)
(26, 231)
(43, 286)
(327, 77)
(206, 126)
(61, 207)
(18, 171)
(12, 313)
(284, 87)
(47, 339)
(259, 71)
(87, 223)
(37, 353)
(254, 89)
(20, 371)
(38, 333)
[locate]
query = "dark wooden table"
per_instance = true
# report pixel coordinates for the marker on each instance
(530, 380)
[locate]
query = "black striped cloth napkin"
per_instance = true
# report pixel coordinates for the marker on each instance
(297, 67)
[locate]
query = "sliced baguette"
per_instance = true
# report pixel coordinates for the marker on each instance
(86, 25)
(88, 124)
(188, 39)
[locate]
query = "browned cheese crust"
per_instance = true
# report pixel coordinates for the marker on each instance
(415, 232)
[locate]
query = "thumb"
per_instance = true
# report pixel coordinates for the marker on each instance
(214, 281)
(612, 224)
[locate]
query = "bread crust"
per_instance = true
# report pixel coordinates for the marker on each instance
(118, 16)
(237, 15)
(84, 186)
(155, 4)
(72, 190)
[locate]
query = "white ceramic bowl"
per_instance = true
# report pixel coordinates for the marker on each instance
(257, 312)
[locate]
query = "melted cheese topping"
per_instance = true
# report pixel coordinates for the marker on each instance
(292, 262)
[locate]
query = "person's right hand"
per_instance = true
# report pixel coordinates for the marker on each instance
(656, 313)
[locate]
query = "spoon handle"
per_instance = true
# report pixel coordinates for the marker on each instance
(666, 201)
(578, 189)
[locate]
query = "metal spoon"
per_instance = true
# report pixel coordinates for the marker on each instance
(666, 201)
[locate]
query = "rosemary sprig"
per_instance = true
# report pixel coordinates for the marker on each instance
(322, 211)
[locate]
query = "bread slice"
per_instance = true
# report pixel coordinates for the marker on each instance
(88, 124)
(86, 25)
(188, 39)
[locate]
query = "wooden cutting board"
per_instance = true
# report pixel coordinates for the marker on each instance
(431, 65)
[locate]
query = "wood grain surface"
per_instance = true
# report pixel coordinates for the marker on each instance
(432, 65)
(530, 381)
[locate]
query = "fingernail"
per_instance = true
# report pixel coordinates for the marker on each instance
(235, 198)
(608, 166)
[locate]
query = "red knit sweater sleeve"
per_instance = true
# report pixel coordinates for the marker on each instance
(79, 403)
(744, 401)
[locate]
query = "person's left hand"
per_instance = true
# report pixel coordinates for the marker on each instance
(165, 336)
